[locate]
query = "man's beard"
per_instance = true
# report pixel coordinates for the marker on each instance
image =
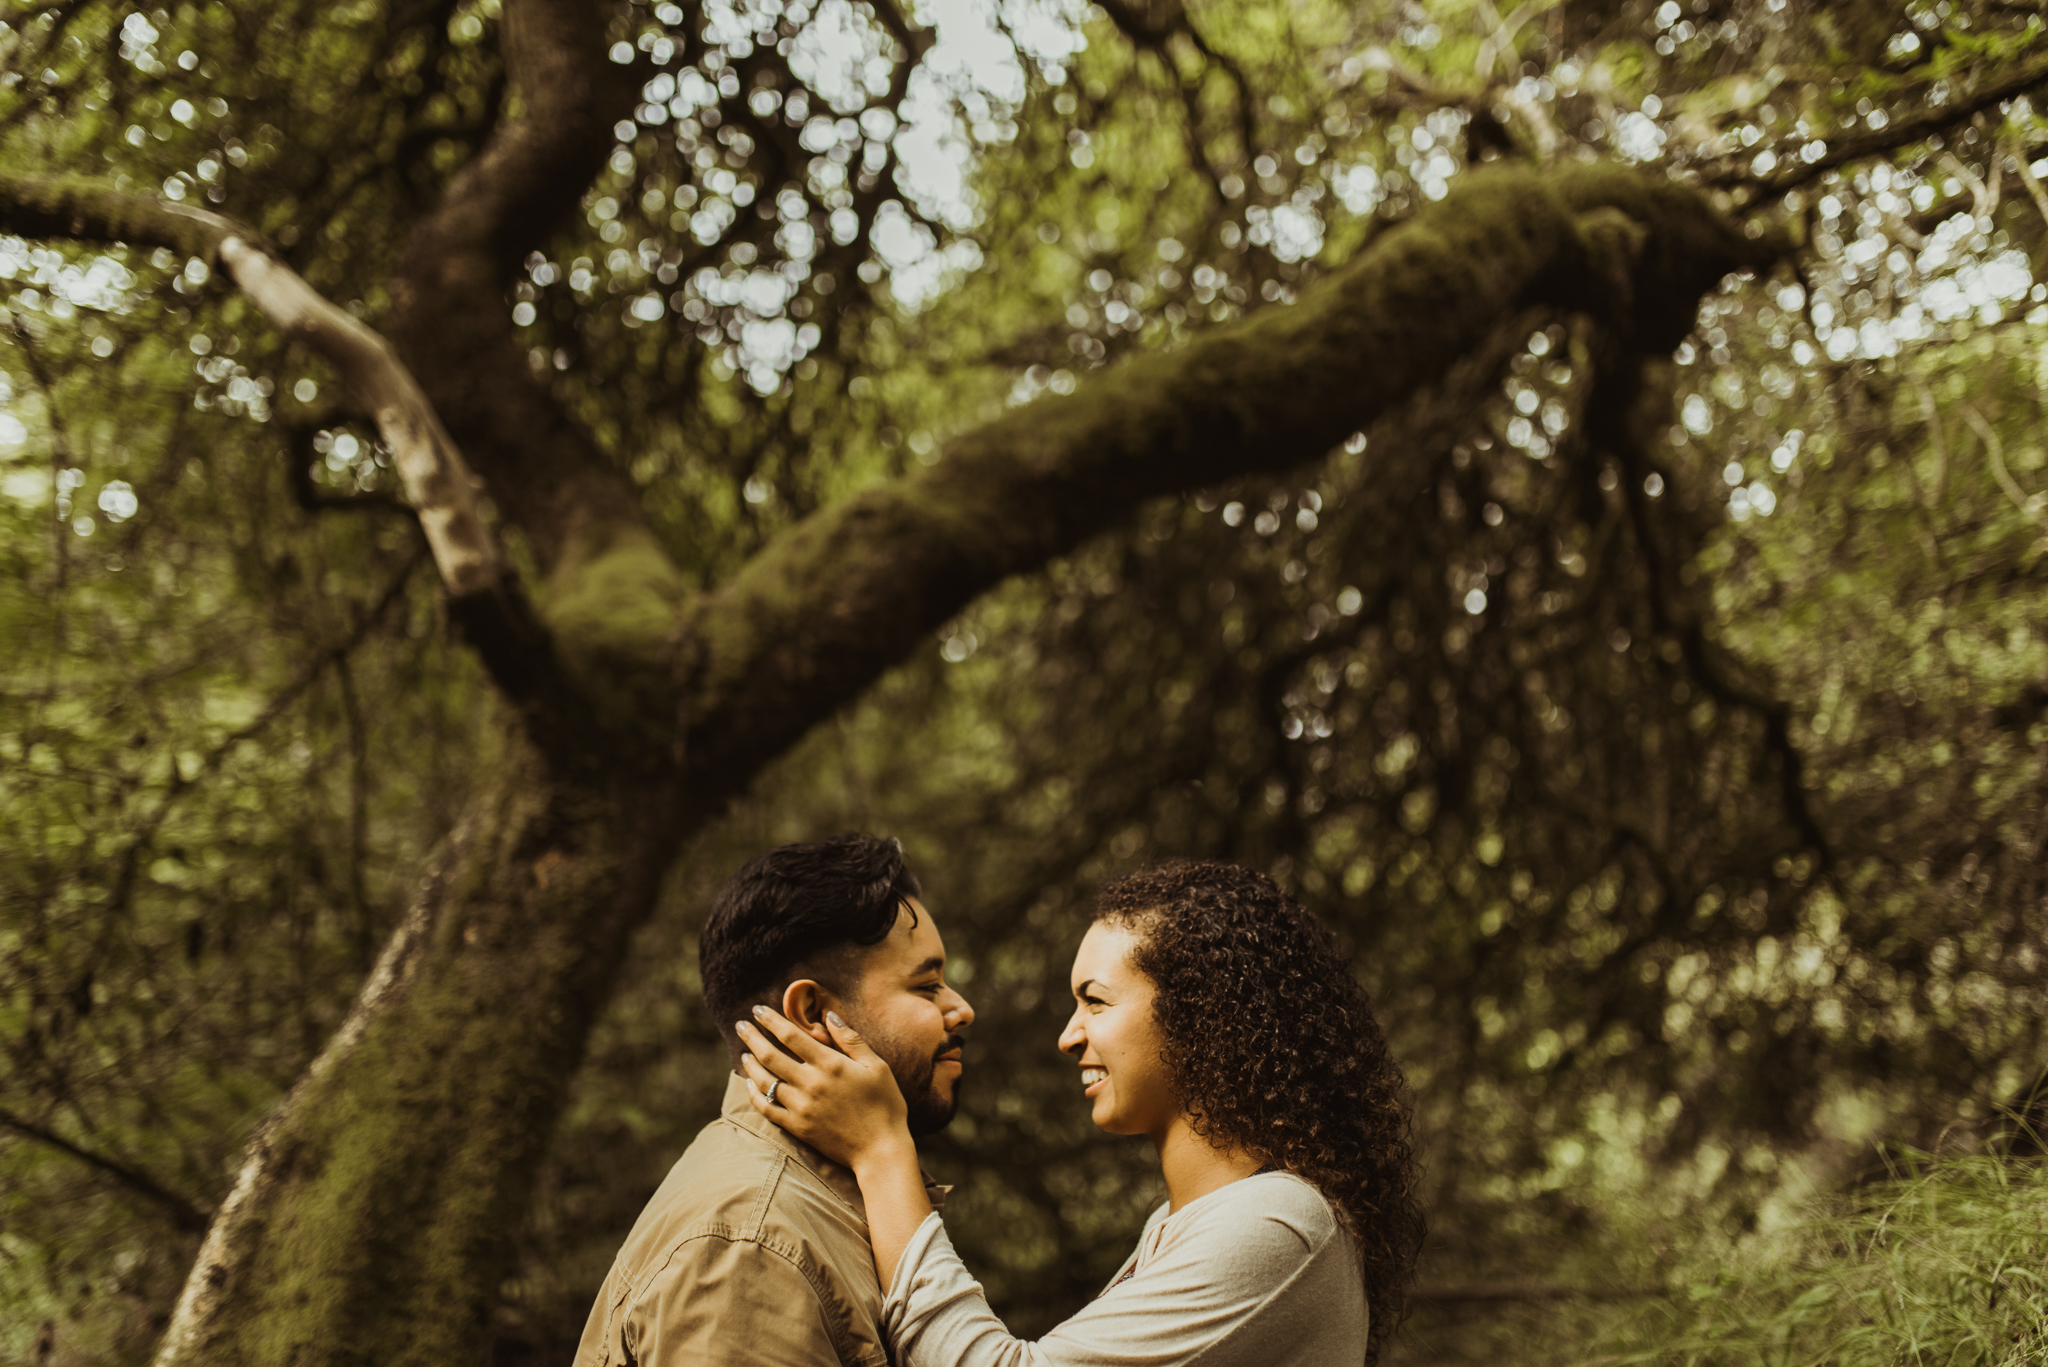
(917, 1078)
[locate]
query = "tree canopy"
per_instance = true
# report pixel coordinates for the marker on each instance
(1561, 490)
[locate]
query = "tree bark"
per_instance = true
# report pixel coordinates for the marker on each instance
(370, 1222)
(451, 316)
(436, 480)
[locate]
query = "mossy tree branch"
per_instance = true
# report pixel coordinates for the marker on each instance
(840, 597)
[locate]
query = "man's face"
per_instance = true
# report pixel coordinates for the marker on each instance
(903, 1007)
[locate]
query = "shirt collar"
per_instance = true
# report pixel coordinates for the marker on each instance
(740, 1111)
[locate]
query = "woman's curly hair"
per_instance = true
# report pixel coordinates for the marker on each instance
(1272, 1047)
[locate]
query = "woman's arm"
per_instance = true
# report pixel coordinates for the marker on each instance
(1259, 1274)
(847, 1106)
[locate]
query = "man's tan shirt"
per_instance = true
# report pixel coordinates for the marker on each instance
(754, 1250)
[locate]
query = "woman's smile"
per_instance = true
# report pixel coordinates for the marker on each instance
(1092, 1080)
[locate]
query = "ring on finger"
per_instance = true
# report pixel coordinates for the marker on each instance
(769, 1095)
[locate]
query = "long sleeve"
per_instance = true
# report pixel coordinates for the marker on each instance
(1257, 1273)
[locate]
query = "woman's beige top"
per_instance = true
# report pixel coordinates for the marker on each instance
(1258, 1273)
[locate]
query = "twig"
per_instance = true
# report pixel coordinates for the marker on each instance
(61, 454)
(1710, 665)
(185, 1214)
(2032, 182)
(62, 457)
(1937, 434)
(1530, 110)
(358, 812)
(66, 13)
(313, 668)
(1900, 133)
(130, 859)
(1984, 189)
(1502, 35)
(1925, 503)
(1149, 35)
(314, 499)
(2035, 506)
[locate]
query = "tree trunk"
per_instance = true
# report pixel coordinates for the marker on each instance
(369, 1222)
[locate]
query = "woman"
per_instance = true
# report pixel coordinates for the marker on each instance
(1214, 1016)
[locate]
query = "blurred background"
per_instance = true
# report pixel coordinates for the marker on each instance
(1684, 818)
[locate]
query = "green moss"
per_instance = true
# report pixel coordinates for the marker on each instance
(399, 1169)
(613, 605)
(847, 592)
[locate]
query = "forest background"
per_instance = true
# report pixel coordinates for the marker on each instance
(1562, 490)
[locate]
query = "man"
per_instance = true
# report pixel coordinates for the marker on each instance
(755, 1249)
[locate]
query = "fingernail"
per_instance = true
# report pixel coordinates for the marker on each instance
(760, 1012)
(740, 1025)
(833, 1018)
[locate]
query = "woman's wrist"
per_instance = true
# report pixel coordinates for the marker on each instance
(887, 1157)
(892, 1188)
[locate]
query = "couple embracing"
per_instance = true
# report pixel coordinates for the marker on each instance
(1212, 1015)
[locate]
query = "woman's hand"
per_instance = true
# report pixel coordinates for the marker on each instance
(846, 1105)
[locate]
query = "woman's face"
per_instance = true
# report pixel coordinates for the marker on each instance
(1115, 1040)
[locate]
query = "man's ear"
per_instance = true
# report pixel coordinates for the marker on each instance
(804, 1004)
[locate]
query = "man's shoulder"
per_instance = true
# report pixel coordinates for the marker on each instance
(732, 1185)
(723, 1255)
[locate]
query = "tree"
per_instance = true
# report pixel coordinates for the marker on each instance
(701, 537)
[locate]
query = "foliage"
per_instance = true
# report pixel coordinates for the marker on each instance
(1926, 1260)
(1680, 799)
(1939, 1265)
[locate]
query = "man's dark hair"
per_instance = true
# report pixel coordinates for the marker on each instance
(813, 906)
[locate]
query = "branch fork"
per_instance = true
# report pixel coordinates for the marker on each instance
(436, 480)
